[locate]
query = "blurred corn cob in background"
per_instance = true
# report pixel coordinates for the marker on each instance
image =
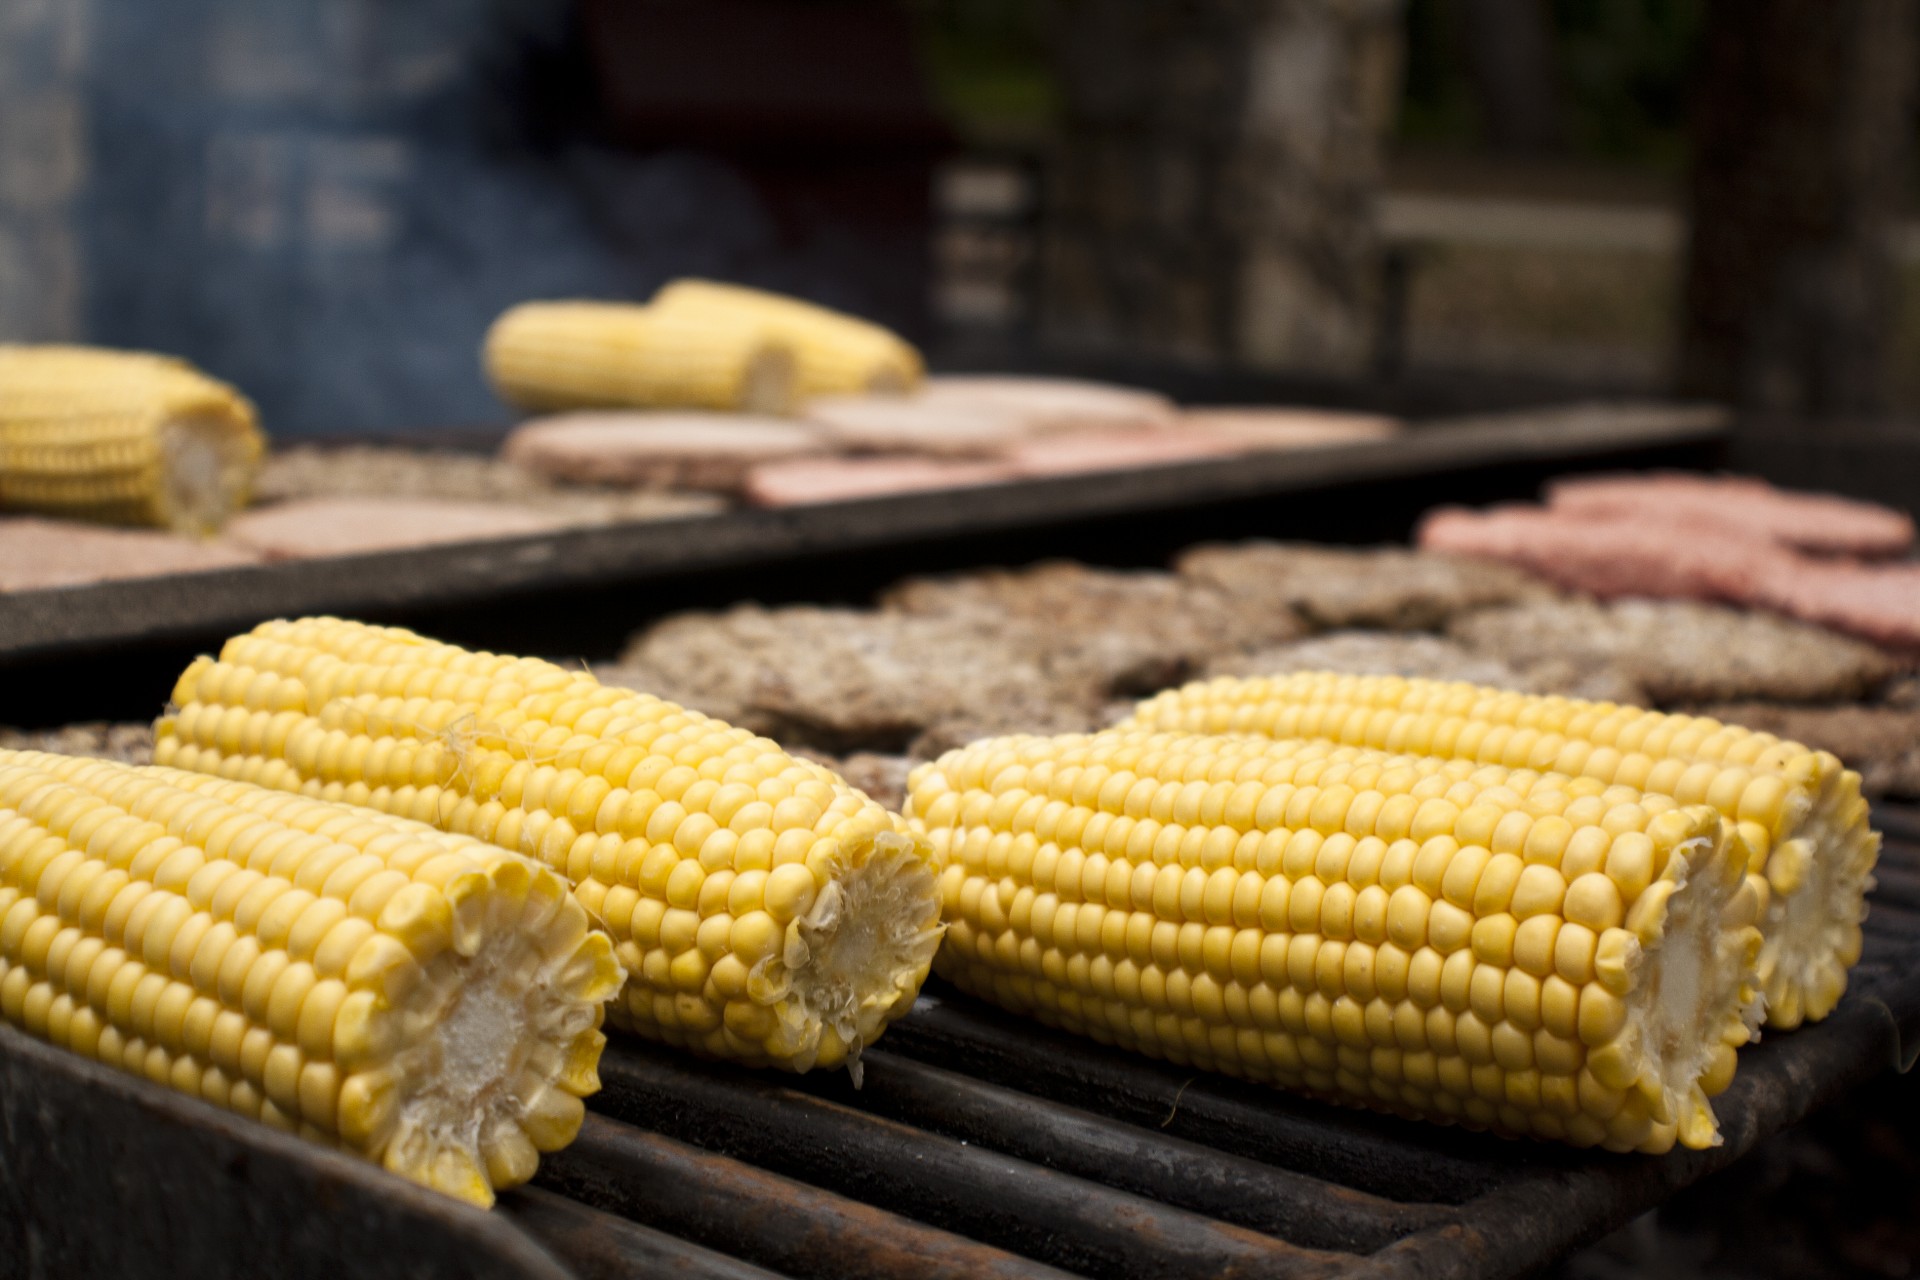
(1797, 815)
(1513, 950)
(425, 1000)
(123, 437)
(835, 353)
(766, 912)
(543, 356)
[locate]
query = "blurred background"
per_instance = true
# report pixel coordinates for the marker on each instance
(1426, 202)
(1420, 207)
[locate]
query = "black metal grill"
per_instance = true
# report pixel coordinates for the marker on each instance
(980, 1145)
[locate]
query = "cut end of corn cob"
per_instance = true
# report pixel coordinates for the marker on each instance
(544, 356)
(425, 1000)
(854, 958)
(207, 473)
(123, 437)
(1815, 876)
(766, 912)
(1796, 813)
(1472, 944)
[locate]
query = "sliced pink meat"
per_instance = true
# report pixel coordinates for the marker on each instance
(311, 528)
(1606, 557)
(1880, 602)
(656, 450)
(1086, 451)
(36, 554)
(1815, 522)
(1611, 556)
(805, 481)
(1051, 404)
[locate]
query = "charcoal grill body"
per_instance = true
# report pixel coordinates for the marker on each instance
(980, 1146)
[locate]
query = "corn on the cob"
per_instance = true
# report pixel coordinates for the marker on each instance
(1797, 813)
(835, 353)
(1501, 948)
(425, 1000)
(766, 912)
(123, 437)
(544, 356)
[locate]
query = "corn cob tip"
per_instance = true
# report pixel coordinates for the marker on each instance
(206, 473)
(506, 1037)
(856, 959)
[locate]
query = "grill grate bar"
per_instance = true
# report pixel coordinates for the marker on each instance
(1361, 1150)
(773, 1221)
(600, 1246)
(1896, 886)
(1900, 823)
(1898, 926)
(1066, 1222)
(1295, 1207)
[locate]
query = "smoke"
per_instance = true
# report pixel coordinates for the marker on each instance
(327, 204)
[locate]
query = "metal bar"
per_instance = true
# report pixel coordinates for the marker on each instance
(773, 1221)
(103, 1173)
(1378, 1154)
(1296, 1207)
(601, 1246)
(1897, 887)
(1066, 1222)
(1890, 919)
(1897, 821)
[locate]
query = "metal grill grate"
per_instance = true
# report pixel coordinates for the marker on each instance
(981, 1145)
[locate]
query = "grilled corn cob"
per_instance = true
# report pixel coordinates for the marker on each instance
(765, 911)
(544, 356)
(123, 437)
(1506, 949)
(427, 1001)
(1797, 813)
(836, 354)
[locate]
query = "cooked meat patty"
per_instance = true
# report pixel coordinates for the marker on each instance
(1387, 588)
(1682, 652)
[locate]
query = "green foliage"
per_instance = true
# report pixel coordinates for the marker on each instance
(1625, 67)
(988, 64)
(1622, 66)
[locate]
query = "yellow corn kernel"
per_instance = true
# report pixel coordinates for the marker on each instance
(1797, 811)
(584, 355)
(447, 1082)
(123, 437)
(834, 353)
(691, 842)
(1348, 959)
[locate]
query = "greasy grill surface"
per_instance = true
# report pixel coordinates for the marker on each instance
(980, 1145)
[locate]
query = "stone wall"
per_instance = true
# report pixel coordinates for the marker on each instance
(43, 165)
(1211, 201)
